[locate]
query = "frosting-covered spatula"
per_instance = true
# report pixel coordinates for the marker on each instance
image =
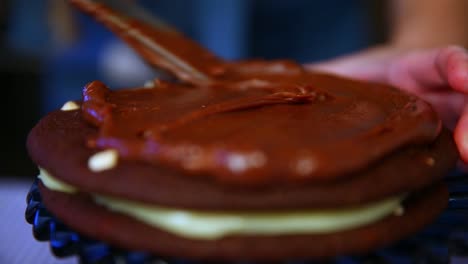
(155, 41)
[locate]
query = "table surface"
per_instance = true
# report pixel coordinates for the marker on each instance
(17, 244)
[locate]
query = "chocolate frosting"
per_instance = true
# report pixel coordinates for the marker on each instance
(258, 121)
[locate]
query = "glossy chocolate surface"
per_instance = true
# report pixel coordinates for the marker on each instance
(253, 124)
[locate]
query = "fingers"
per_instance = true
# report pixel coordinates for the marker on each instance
(442, 68)
(368, 65)
(452, 63)
(418, 71)
(461, 135)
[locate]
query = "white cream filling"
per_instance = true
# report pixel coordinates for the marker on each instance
(212, 225)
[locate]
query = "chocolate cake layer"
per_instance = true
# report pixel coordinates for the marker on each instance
(57, 145)
(83, 215)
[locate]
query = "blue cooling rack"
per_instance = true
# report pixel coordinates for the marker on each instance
(445, 241)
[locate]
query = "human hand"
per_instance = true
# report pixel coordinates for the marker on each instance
(438, 76)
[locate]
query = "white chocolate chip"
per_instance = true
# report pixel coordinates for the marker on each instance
(70, 105)
(103, 160)
(399, 211)
(149, 84)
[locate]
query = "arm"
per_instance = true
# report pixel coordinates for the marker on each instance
(428, 23)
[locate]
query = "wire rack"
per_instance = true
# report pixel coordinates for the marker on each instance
(444, 241)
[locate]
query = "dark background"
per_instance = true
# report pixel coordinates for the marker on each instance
(19, 107)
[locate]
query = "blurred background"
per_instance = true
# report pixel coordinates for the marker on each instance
(49, 51)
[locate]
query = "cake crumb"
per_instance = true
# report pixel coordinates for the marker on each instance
(399, 211)
(69, 106)
(103, 160)
(429, 161)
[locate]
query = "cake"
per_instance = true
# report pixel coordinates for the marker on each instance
(266, 161)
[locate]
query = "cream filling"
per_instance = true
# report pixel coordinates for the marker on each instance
(213, 225)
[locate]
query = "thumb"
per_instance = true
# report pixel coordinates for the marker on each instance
(461, 135)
